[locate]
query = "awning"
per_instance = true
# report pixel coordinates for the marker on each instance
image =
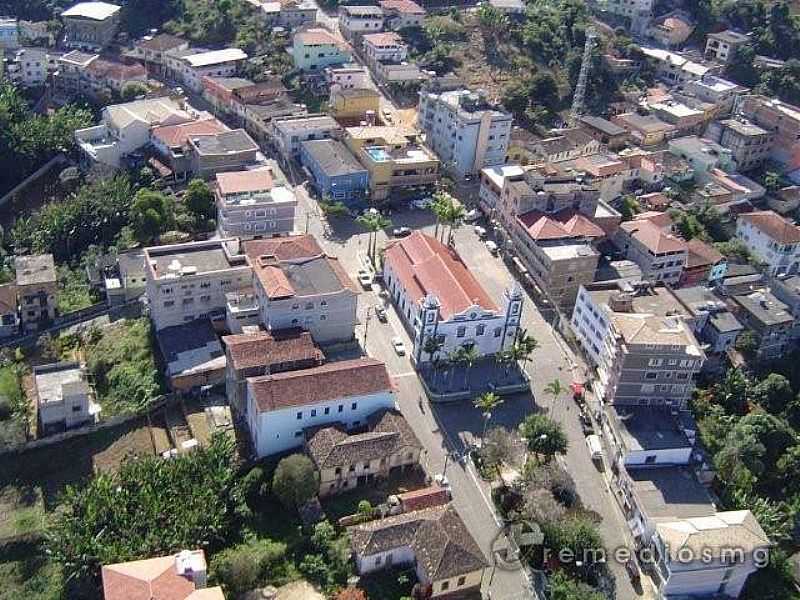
(577, 388)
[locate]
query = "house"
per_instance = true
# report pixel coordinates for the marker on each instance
(192, 354)
(62, 397)
(750, 145)
(674, 68)
(335, 172)
(683, 117)
(255, 203)
(360, 19)
(36, 281)
(783, 120)
(220, 152)
(264, 353)
(9, 33)
(384, 47)
(628, 8)
(402, 74)
(29, 66)
(290, 14)
(464, 129)
(569, 145)
(354, 105)
(509, 7)
(316, 48)
(345, 460)
(447, 560)
(492, 182)
(282, 406)
(399, 14)
(192, 66)
(639, 339)
(720, 92)
(152, 48)
(181, 576)
(646, 130)
(347, 77)
(769, 319)
(9, 316)
(132, 276)
(234, 94)
(771, 239)
(395, 158)
(90, 25)
(607, 133)
(298, 285)
(704, 263)
(661, 256)
(125, 128)
(289, 132)
(785, 200)
(787, 290)
(712, 321)
(704, 155)
(189, 281)
(259, 118)
(171, 142)
(722, 46)
(438, 298)
(671, 30)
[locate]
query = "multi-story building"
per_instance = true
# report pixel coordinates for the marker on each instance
(568, 145)
(29, 67)
(673, 68)
(62, 397)
(384, 47)
(290, 14)
(466, 132)
(716, 90)
(290, 132)
(36, 280)
(171, 142)
(660, 255)
(438, 298)
(771, 239)
(607, 133)
(703, 155)
(396, 159)
(769, 319)
(750, 145)
(220, 152)
(317, 48)
(780, 118)
(254, 204)
(90, 25)
(684, 118)
(399, 14)
(83, 74)
(9, 33)
(335, 172)
(298, 285)
(9, 314)
(354, 105)
(347, 77)
(190, 66)
(722, 46)
(152, 48)
(281, 406)
(493, 180)
(645, 130)
(640, 341)
(360, 19)
(704, 263)
(628, 8)
(712, 321)
(190, 281)
(671, 30)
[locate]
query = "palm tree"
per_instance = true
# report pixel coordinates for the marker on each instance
(455, 358)
(487, 402)
(437, 208)
(431, 347)
(554, 389)
(439, 365)
(454, 217)
(525, 345)
(373, 222)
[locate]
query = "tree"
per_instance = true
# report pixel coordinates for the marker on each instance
(333, 209)
(788, 468)
(735, 250)
(152, 214)
(542, 507)
(733, 391)
(295, 481)
(773, 181)
(431, 347)
(629, 207)
(555, 389)
(544, 436)
(373, 222)
(773, 393)
(487, 402)
(199, 202)
(467, 356)
(243, 567)
(523, 347)
(577, 535)
(133, 90)
(562, 587)
(496, 446)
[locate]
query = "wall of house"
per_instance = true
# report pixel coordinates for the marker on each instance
(779, 258)
(255, 220)
(697, 579)
(332, 482)
(193, 76)
(312, 58)
(330, 318)
(657, 458)
(280, 430)
(402, 555)
(453, 585)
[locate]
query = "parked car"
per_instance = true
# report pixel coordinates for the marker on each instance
(480, 231)
(380, 312)
(365, 279)
(595, 447)
(586, 424)
(472, 216)
(399, 346)
(492, 247)
(633, 571)
(422, 203)
(401, 231)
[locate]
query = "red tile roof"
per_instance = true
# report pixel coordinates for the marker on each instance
(264, 349)
(116, 70)
(237, 182)
(662, 219)
(173, 136)
(332, 381)
(652, 237)
(291, 247)
(774, 226)
(402, 6)
(426, 266)
(565, 224)
(701, 254)
(385, 38)
(148, 579)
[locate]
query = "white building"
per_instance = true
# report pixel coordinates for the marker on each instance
(290, 132)
(9, 33)
(125, 128)
(438, 297)
(464, 130)
(674, 68)
(360, 19)
(255, 203)
(190, 66)
(62, 396)
(282, 405)
(771, 239)
(29, 67)
(385, 47)
(298, 285)
(347, 77)
(190, 281)
(493, 179)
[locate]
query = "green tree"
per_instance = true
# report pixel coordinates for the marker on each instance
(373, 222)
(578, 536)
(555, 389)
(295, 481)
(733, 392)
(496, 446)
(544, 436)
(562, 587)
(629, 207)
(152, 214)
(199, 202)
(246, 566)
(747, 343)
(524, 345)
(773, 393)
(734, 250)
(487, 402)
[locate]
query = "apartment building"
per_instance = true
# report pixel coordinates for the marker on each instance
(769, 319)
(36, 281)
(151, 50)
(190, 281)
(773, 240)
(29, 67)
(83, 74)
(604, 131)
(298, 285)
(9, 33)
(704, 263)
(281, 406)
(722, 46)
(660, 255)
(191, 65)
(290, 14)
(493, 180)
(464, 130)
(317, 48)
(171, 142)
(347, 77)
(395, 158)
(639, 340)
(220, 152)
(399, 14)
(62, 397)
(780, 118)
(716, 90)
(438, 297)
(750, 145)
(90, 25)
(704, 155)
(384, 47)
(255, 203)
(713, 323)
(290, 132)
(360, 19)
(335, 172)
(674, 68)
(685, 118)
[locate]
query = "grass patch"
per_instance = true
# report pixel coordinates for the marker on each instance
(21, 511)
(27, 574)
(74, 292)
(389, 584)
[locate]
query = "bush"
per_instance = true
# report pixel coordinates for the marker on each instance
(295, 481)
(246, 566)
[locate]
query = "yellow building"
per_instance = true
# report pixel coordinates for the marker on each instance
(395, 158)
(354, 103)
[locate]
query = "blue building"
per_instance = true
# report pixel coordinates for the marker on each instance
(335, 171)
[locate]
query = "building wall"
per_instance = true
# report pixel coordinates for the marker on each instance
(37, 303)
(289, 143)
(193, 77)
(280, 430)
(658, 458)
(349, 188)
(667, 267)
(779, 258)
(455, 585)
(88, 33)
(354, 107)
(208, 165)
(698, 579)
(333, 482)
(255, 220)
(313, 58)
(402, 555)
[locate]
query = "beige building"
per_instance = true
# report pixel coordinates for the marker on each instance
(347, 460)
(62, 397)
(660, 255)
(36, 289)
(90, 25)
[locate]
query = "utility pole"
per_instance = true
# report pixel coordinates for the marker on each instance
(583, 77)
(308, 218)
(366, 325)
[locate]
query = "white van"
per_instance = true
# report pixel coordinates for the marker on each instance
(595, 447)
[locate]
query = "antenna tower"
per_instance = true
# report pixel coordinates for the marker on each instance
(583, 77)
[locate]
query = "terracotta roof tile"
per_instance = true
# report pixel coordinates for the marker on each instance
(147, 579)
(774, 226)
(701, 254)
(237, 182)
(402, 6)
(652, 237)
(562, 225)
(332, 381)
(661, 219)
(173, 136)
(264, 349)
(290, 247)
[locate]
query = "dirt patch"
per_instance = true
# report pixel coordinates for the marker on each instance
(135, 443)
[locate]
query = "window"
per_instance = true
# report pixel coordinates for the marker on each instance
(480, 329)
(461, 332)
(338, 471)
(313, 412)
(354, 405)
(461, 581)
(341, 408)
(327, 410)
(300, 415)
(76, 409)
(378, 560)
(309, 305)
(445, 586)
(650, 375)
(649, 460)
(682, 376)
(298, 433)
(352, 468)
(497, 332)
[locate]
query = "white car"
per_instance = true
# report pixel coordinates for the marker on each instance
(399, 346)
(492, 247)
(480, 231)
(472, 215)
(365, 279)
(422, 203)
